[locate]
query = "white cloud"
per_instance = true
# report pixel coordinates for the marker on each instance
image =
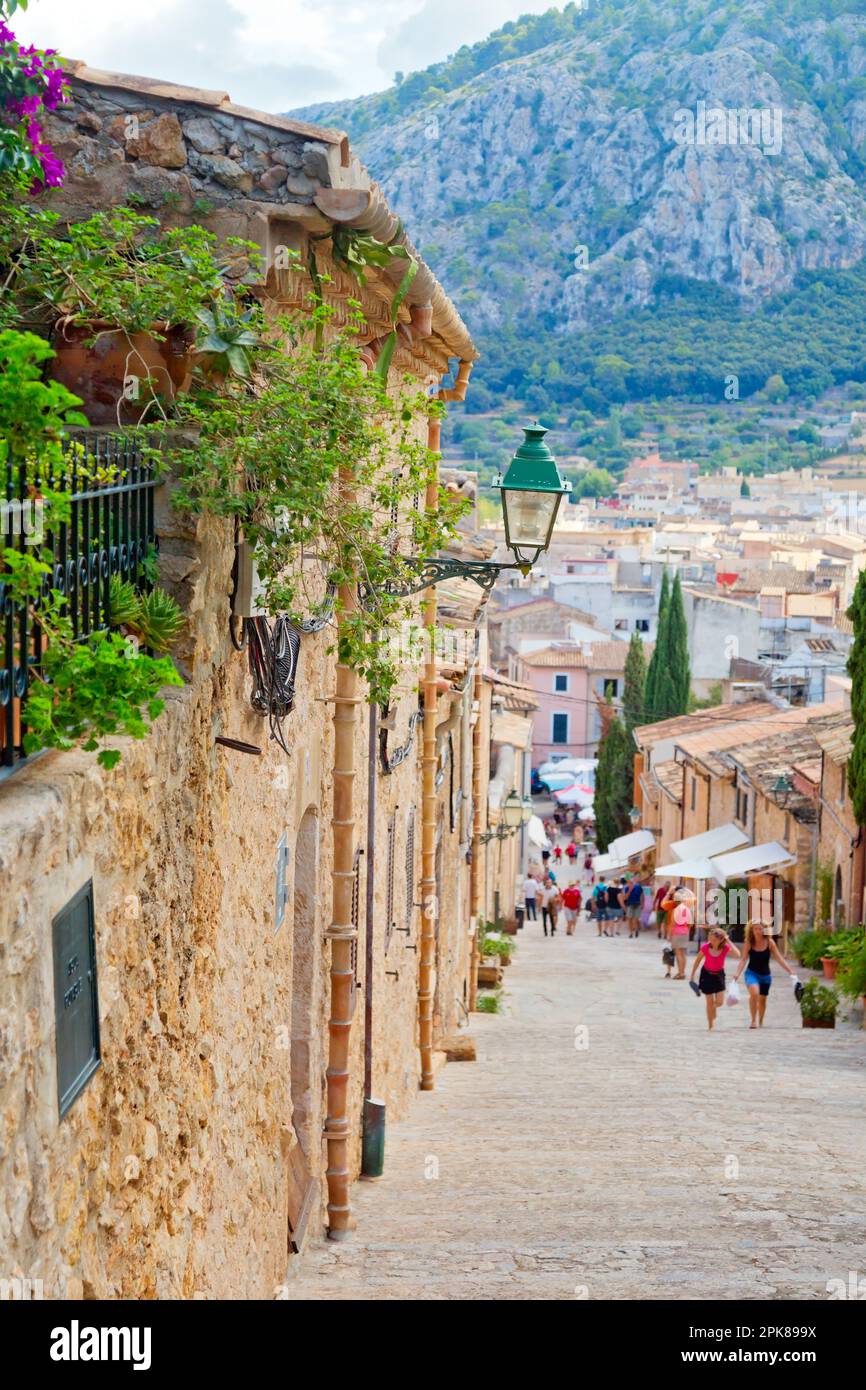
(270, 54)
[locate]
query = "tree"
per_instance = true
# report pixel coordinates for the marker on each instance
(669, 680)
(776, 389)
(678, 649)
(652, 679)
(613, 783)
(857, 672)
(745, 490)
(634, 685)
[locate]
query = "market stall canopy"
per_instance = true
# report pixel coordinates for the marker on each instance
(626, 846)
(687, 868)
(757, 859)
(536, 833)
(711, 843)
(575, 795)
(588, 813)
(607, 864)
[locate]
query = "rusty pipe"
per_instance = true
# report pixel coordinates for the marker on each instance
(429, 804)
(342, 931)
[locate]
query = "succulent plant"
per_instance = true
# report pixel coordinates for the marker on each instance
(160, 620)
(124, 603)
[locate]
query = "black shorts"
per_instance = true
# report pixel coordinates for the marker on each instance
(711, 981)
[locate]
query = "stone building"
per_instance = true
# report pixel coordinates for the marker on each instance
(184, 1154)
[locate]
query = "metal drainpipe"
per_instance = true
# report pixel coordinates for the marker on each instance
(342, 932)
(429, 903)
(373, 1143)
(475, 869)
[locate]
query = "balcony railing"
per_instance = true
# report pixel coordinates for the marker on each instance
(110, 532)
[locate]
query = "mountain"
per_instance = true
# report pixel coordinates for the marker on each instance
(595, 179)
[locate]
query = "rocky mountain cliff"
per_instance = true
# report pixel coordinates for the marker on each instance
(576, 163)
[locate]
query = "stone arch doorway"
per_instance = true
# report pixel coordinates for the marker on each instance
(304, 1038)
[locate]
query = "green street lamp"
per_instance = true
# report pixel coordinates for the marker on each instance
(531, 493)
(512, 810)
(532, 490)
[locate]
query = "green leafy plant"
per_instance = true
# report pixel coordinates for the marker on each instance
(810, 946)
(493, 943)
(490, 1002)
(120, 269)
(88, 689)
(851, 972)
(355, 251)
(818, 1001)
(92, 689)
(315, 459)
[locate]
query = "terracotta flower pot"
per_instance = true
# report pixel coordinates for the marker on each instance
(829, 966)
(117, 374)
(819, 1023)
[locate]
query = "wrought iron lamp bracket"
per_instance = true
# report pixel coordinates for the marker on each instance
(429, 572)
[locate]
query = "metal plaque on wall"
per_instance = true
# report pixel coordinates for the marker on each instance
(76, 1002)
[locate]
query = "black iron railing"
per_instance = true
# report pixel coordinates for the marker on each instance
(110, 532)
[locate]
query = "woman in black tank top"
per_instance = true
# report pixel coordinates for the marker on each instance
(757, 952)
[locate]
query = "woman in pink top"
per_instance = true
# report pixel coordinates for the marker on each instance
(711, 958)
(680, 911)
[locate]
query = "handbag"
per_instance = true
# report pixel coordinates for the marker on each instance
(669, 956)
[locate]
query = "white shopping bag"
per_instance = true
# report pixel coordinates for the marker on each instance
(733, 995)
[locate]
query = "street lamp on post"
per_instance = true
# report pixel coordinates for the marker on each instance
(531, 491)
(634, 816)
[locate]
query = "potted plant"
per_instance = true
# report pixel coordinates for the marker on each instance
(818, 1005)
(834, 951)
(810, 946)
(851, 973)
(121, 301)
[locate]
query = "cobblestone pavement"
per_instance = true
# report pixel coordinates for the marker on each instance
(657, 1161)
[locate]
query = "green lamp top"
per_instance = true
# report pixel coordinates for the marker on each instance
(533, 467)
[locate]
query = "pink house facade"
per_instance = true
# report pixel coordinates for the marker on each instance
(559, 679)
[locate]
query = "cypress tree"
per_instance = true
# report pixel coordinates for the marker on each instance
(613, 783)
(652, 679)
(857, 672)
(635, 684)
(678, 651)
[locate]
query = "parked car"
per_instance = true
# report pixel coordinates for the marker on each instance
(550, 782)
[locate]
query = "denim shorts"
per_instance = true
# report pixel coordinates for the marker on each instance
(762, 981)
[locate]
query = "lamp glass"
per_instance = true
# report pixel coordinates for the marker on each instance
(529, 516)
(527, 810)
(512, 810)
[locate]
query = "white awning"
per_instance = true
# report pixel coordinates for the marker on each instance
(588, 813)
(607, 864)
(574, 796)
(687, 868)
(711, 843)
(757, 859)
(626, 846)
(536, 833)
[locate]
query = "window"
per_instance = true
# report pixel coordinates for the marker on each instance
(610, 688)
(559, 730)
(621, 625)
(694, 791)
(842, 783)
(641, 625)
(560, 683)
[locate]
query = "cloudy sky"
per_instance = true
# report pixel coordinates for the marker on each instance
(270, 54)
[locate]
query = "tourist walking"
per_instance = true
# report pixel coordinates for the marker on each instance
(599, 902)
(571, 850)
(557, 853)
(758, 949)
(661, 915)
(680, 909)
(571, 901)
(550, 899)
(530, 894)
(633, 906)
(615, 906)
(711, 983)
